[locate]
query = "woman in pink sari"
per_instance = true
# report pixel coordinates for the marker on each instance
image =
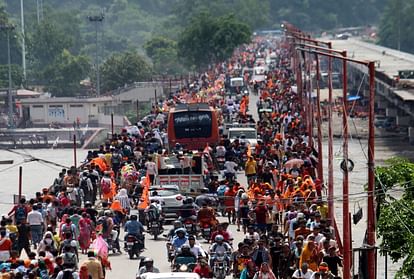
(85, 231)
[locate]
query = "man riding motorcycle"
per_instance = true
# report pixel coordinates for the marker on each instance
(184, 256)
(148, 267)
(220, 247)
(206, 215)
(135, 228)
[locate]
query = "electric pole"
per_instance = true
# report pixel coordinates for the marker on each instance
(8, 28)
(23, 39)
(97, 19)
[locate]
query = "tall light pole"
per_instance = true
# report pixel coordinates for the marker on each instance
(8, 28)
(97, 19)
(39, 10)
(23, 39)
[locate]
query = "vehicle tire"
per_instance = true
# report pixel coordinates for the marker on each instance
(131, 254)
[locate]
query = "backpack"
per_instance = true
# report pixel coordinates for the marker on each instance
(115, 159)
(20, 214)
(221, 191)
(84, 184)
(67, 274)
(69, 259)
(106, 186)
(67, 229)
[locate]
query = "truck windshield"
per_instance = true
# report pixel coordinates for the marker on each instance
(238, 134)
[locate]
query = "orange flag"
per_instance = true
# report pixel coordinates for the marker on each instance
(249, 150)
(145, 193)
(243, 106)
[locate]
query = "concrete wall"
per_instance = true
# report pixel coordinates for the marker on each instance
(141, 94)
(64, 113)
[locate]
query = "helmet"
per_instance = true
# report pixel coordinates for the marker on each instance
(148, 260)
(219, 237)
(107, 212)
(177, 224)
(244, 196)
(185, 247)
(73, 244)
(180, 230)
(189, 200)
(88, 203)
(204, 190)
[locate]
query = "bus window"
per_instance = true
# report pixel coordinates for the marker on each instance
(192, 124)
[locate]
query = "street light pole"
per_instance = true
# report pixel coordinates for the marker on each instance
(96, 20)
(8, 28)
(23, 39)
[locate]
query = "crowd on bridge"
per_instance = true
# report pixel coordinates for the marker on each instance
(280, 206)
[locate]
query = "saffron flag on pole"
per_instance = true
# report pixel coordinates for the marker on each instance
(144, 201)
(243, 106)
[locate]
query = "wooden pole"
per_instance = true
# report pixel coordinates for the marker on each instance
(20, 182)
(74, 150)
(112, 124)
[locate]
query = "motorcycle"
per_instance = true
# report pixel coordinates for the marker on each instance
(113, 245)
(184, 264)
(154, 228)
(220, 267)
(134, 245)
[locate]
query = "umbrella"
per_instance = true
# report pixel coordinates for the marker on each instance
(294, 163)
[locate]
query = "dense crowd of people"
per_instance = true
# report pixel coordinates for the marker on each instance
(280, 205)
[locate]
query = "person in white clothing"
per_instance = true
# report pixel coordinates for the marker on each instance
(303, 273)
(152, 169)
(35, 220)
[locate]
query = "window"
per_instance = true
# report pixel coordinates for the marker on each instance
(195, 124)
(76, 106)
(37, 106)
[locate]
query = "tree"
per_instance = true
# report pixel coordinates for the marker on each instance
(396, 25)
(63, 76)
(45, 44)
(15, 54)
(207, 40)
(163, 53)
(124, 68)
(395, 225)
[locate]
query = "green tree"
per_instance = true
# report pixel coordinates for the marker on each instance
(207, 40)
(15, 53)
(395, 222)
(396, 25)
(164, 56)
(124, 68)
(64, 74)
(45, 44)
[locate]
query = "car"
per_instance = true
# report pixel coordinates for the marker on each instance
(170, 197)
(249, 133)
(173, 275)
(383, 122)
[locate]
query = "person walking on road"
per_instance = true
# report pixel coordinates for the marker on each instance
(93, 266)
(35, 220)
